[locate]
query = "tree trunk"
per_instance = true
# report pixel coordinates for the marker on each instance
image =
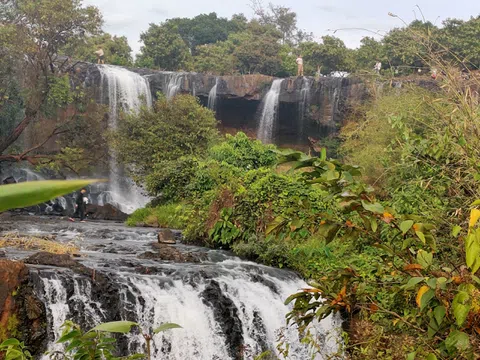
(10, 139)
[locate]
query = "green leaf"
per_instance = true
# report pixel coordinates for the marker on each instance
(433, 327)
(439, 314)
(411, 356)
(115, 326)
(373, 207)
(31, 193)
(456, 230)
(374, 224)
(69, 336)
(432, 283)
(431, 357)
(406, 225)
(421, 236)
(166, 326)
(424, 258)
(461, 307)
(475, 203)
(9, 342)
(412, 282)
(276, 224)
(293, 297)
(472, 250)
(457, 341)
(13, 354)
(426, 298)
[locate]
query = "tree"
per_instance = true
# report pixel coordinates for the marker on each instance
(462, 39)
(116, 48)
(31, 35)
(172, 129)
(331, 55)
(368, 53)
(216, 58)
(164, 48)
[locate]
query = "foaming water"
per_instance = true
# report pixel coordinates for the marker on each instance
(126, 91)
(269, 112)
(212, 96)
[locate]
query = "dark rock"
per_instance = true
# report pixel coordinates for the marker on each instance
(226, 314)
(2, 254)
(9, 180)
(169, 253)
(166, 236)
(105, 212)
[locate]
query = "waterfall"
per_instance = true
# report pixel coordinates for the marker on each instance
(269, 112)
(226, 306)
(212, 96)
(126, 91)
(303, 105)
(174, 84)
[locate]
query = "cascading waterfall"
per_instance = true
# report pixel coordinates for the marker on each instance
(269, 112)
(174, 84)
(126, 90)
(228, 308)
(212, 96)
(303, 106)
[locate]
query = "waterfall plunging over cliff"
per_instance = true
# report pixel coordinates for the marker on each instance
(212, 96)
(269, 112)
(174, 84)
(127, 91)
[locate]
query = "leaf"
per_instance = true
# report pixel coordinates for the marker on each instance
(412, 282)
(13, 354)
(475, 203)
(69, 336)
(166, 326)
(457, 341)
(431, 357)
(293, 297)
(31, 193)
(373, 207)
(424, 295)
(472, 250)
(296, 224)
(461, 305)
(432, 283)
(456, 230)
(412, 267)
(411, 356)
(275, 224)
(115, 326)
(474, 216)
(439, 314)
(406, 225)
(424, 258)
(421, 236)
(374, 224)
(9, 342)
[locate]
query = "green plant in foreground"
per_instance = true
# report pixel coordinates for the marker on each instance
(15, 350)
(95, 344)
(31, 193)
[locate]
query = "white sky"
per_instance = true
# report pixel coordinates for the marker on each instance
(131, 17)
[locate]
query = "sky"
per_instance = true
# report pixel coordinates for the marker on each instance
(354, 19)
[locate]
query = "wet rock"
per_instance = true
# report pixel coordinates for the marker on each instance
(105, 212)
(169, 253)
(166, 236)
(20, 306)
(9, 180)
(226, 314)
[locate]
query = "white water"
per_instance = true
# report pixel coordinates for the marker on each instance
(212, 96)
(269, 112)
(174, 84)
(126, 91)
(303, 106)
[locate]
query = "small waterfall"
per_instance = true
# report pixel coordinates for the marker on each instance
(212, 96)
(269, 112)
(126, 91)
(174, 84)
(303, 106)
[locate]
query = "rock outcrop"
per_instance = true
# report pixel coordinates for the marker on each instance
(105, 212)
(166, 252)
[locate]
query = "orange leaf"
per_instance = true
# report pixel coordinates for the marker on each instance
(457, 280)
(349, 224)
(323, 222)
(387, 217)
(420, 293)
(312, 290)
(416, 227)
(373, 308)
(412, 267)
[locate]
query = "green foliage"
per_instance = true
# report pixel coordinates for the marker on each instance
(14, 349)
(170, 130)
(60, 91)
(244, 153)
(32, 193)
(331, 55)
(172, 215)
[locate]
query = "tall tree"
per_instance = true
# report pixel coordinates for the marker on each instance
(31, 36)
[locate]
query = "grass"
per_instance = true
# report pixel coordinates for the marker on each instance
(24, 242)
(164, 216)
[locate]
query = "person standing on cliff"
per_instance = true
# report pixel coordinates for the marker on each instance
(100, 55)
(81, 205)
(299, 62)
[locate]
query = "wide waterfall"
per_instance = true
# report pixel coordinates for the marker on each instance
(269, 112)
(212, 96)
(228, 308)
(126, 91)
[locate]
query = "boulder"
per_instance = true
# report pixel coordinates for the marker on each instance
(169, 253)
(9, 180)
(105, 212)
(166, 236)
